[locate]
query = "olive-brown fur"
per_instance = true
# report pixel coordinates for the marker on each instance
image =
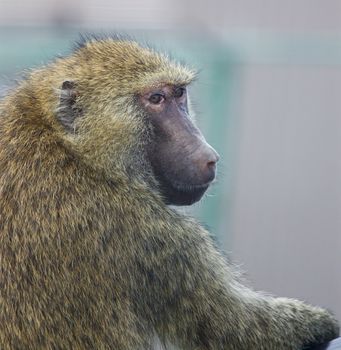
(90, 255)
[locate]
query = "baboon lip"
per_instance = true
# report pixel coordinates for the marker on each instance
(183, 194)
(190, 187)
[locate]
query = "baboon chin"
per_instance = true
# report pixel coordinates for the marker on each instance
(93, 148)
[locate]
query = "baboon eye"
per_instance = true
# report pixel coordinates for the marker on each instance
(156, 99)
(179, 92)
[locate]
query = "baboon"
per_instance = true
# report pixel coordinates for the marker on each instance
(94, 147)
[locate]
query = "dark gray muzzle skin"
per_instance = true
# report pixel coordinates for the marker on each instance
(183, 162)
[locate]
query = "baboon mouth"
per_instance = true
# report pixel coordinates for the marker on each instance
(175, 193)
(189, 187)
(187, 195)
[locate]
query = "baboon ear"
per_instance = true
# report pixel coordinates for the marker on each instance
(68, 110)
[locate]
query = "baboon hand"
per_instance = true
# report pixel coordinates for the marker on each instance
(313, 325)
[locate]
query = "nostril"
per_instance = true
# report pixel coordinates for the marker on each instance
(212, 160)
(211, 164)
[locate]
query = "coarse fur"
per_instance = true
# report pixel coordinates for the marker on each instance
(91, 257)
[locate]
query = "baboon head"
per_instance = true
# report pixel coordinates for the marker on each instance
(125, 108)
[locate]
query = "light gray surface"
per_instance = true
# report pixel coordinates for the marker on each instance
(333, 345)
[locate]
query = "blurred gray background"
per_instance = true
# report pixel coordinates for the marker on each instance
(268, 99)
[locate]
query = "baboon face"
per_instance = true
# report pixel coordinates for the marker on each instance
(183, 162)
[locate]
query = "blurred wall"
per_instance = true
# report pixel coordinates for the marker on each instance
(287, 203)
(270, 97)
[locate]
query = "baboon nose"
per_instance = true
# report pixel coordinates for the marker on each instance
(209, 169)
